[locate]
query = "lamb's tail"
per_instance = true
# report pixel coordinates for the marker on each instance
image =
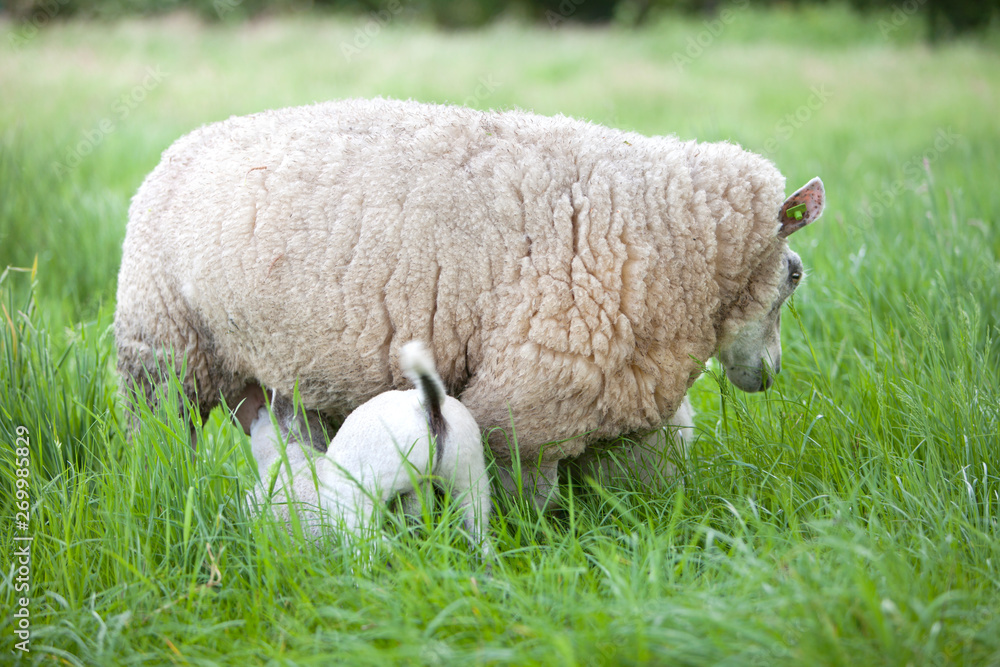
(418, 366)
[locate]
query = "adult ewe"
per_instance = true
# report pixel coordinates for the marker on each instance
(569, 278)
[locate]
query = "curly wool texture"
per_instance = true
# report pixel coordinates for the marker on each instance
(564, 274)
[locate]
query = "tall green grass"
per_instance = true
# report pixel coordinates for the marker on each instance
(848, 515)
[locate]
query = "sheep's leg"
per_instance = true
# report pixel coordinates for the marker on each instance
(545, 482)
(541, 480)
(650, 461)
(145, 379)
(146, 376)
(313, 430)
(654, 457)
(245, 404)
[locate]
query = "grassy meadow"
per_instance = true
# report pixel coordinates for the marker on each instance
(848, 516)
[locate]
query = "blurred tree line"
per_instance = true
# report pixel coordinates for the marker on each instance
(943, 17)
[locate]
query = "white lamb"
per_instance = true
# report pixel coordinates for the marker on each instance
(569, 278)
(396, 440)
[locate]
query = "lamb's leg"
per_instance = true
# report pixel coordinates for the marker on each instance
(413, 501)
(303, 485)
(471, 487)
(357, 515)
(344, 500)
(477, 510)
(412, 505)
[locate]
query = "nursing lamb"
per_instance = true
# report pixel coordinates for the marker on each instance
(392, 445)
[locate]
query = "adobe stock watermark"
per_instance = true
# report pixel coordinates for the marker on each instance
(698, 43)
(487, 86)
(900, 16)
(45, 12)
(792, 122)
(121, 109)
(20, 560)
(365, 34)
(225, 7)
(914, 170)
(566, 9)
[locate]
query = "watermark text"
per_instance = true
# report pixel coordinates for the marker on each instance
(365, 34)
(914, 170)
(701, 41)
(21, 558)
(121, 109)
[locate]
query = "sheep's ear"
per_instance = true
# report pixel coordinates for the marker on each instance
(804, 206)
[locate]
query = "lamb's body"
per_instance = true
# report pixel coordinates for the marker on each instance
(566, 276)
(389, 446)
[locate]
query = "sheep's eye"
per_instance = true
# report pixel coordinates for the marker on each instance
(795, 277)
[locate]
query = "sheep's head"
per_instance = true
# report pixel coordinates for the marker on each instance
(751, 354)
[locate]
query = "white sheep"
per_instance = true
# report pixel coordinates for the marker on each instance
(386, 448)
(569, 278)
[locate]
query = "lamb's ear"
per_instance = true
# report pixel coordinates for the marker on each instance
(804, 206)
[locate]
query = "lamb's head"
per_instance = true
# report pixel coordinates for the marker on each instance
(750, 347)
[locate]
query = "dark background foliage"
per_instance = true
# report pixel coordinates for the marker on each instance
(943, 18)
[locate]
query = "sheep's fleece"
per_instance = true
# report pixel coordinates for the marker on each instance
(568, 277)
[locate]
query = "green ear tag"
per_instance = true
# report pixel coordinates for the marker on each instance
(796, 211)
